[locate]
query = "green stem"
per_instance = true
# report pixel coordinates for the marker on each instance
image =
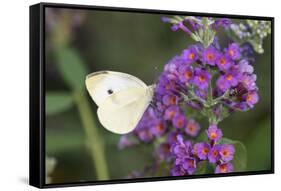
(94, 141)
(205, 33)
(60, 39)
(224, 96)
(193, 96)
(210, 93)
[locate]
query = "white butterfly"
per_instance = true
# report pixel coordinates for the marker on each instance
(121, 99)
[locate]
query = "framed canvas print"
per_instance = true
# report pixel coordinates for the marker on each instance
(126, 95)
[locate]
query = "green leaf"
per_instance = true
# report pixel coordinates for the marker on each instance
(202, 137)
(57, 102)
(201, 167)
(72, 68)
(240, 156)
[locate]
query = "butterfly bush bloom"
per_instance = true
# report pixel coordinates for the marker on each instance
(158, 128)
(223, 62)
(214, 133)
(201, 78)
(170, 99)
(226, 81)
(224, 168)
(210, 56)
(187, 155)
(206, 80)
(185, 74)
(191, 24)
(252, 98)
(170, 112)
(143, 130)
(172, 137)
(226, 152)
(192, 128)
(214, 154)
(189, 164)
(233, 51)
(244, 67)
(190, 55)
(248, 81)
(179, 121)
(222, 22)
(184, 84)
(201, 150)
(178, 170)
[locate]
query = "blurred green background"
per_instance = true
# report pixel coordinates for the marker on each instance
(79, 42)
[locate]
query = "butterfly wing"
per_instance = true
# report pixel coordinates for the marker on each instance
(121, 98)
(121, 112)
(102, 84)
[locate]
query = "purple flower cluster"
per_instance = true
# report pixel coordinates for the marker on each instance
(150, 126)
(172, 83)
(208, 80)
(193, 71)
(193, 24)
(169, 112)
(187, 155)
(236, 76)
(185, 84)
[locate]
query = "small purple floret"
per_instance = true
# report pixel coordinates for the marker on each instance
(179, 121)
(210, 56)
(214, 133)
(201, 150)
(233, 51)
(227, 152)
(201, 78)
(214, 154)
(224, 168)
(192, 128)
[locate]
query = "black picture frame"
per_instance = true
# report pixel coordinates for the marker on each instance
(37, 94)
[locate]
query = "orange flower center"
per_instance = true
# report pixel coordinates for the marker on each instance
(171, 114)
(160, 127)
(222, 61)
(229, 77)
(191, 127)
(210, 56)
(188, 74)
(172, 100)
(202, 78)
(191, 56)
(191, 162)
(180, 122)
(215, 153)
(213, 135)
(205, 150)
(223, 168)
(231, 52)
(249, 97)
(225, 153)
